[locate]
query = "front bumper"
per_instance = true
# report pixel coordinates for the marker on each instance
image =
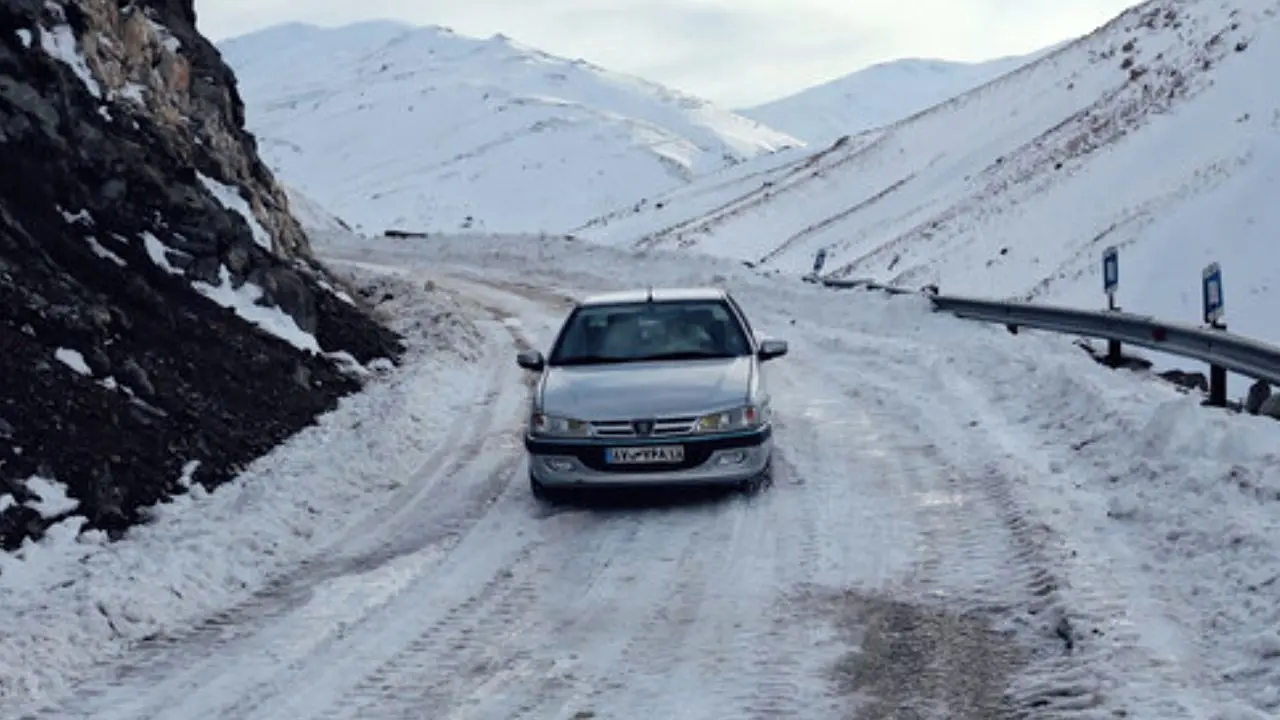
(726, 459)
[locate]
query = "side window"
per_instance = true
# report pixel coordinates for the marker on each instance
(742, 317)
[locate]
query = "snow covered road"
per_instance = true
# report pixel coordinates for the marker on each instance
(938, 544)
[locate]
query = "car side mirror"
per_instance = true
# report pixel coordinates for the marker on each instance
(531, 360)
(770, 349)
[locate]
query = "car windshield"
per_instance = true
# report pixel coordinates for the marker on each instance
(639, 332)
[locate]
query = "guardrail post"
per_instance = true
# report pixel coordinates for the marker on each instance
(1111, 283)
(1115, 354)
(1211, 294)
(1217, 377)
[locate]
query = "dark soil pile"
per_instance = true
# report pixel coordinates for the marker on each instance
(87, 173)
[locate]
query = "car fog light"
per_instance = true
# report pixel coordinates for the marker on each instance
(560, 464)
(737, 457)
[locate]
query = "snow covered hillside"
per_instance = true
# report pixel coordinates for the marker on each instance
(1159, 133)
(394, 126)
(878, 95)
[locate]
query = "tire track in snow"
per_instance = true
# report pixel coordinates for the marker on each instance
(512, 656)
(270, 630)
(608, 657)
(422, 677)
(588, 581)
(778, 672)
(240, 679)
(427, 670)
(310, 677)
(568, 665)
(842, 528)
(1014, 583)
(1060, 682)
(777, 676)
(658, 643)
(1070, 685)
(688, 599)
(971, 546)
(703, 610)
(401, 526)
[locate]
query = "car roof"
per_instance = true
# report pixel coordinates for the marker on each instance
(625, 297)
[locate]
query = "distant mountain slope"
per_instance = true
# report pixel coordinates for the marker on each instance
(1159, 133)
(389, 125)
(879, 95)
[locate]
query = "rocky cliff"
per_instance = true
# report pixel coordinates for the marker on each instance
(161, 317)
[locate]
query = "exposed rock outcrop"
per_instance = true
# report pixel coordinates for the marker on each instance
(160, 311)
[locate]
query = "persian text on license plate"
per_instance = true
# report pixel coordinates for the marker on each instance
(639, 455)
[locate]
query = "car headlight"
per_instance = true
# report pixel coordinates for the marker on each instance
(552, 426)
(742, 418)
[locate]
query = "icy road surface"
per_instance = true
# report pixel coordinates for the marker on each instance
(939, 544)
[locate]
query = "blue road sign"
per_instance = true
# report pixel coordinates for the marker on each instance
(1110, 271)
(1212, 292)
(819, 260)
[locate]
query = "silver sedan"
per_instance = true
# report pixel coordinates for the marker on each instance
(652, 387)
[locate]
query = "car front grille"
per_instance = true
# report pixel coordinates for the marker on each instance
(658, 427)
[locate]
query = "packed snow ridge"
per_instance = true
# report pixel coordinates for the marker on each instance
(1158, 133)
(417, 128)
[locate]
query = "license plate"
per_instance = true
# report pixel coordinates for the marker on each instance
(640, 455)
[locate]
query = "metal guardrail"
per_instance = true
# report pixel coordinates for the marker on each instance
(1236, 353)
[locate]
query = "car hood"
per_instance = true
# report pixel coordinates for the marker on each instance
(645, 390)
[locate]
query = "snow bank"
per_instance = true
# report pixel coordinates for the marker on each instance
(71, 601)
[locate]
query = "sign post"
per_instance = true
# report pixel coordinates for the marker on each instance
(1110, 283)
(1111, 274)
(1211, 290)
(1211, 293)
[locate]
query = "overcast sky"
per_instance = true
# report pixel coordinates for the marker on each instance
(735, 52)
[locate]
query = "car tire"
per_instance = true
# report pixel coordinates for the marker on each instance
(542, 492)
(754, 485)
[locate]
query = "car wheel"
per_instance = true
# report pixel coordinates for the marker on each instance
(540, 491)
(753, 485)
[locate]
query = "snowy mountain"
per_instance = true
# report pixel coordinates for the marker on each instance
(878, 95)
(394, 126)
(1158, 133)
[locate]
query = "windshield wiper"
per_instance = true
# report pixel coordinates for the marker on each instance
(686, 355)
(607, 360)
(589, 360)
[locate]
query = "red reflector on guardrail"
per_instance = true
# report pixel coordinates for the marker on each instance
(1159, 334)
